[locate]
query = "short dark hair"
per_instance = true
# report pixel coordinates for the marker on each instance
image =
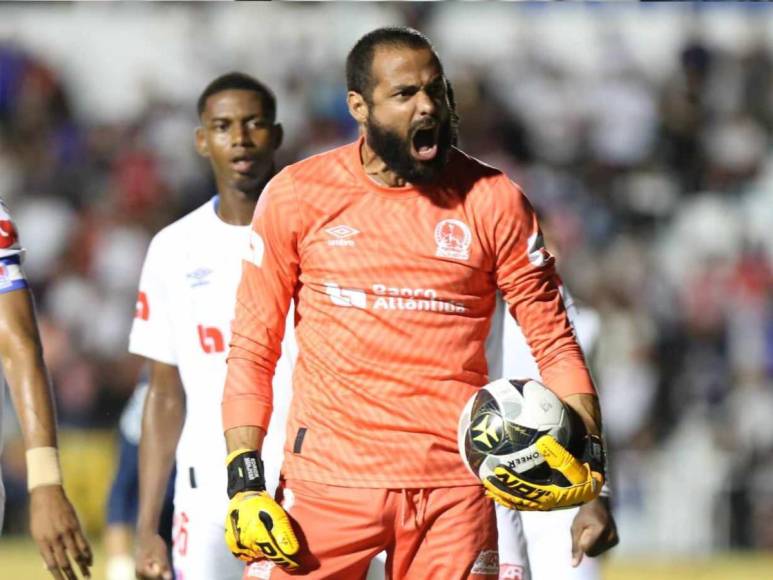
(239, 81)
(359, 62)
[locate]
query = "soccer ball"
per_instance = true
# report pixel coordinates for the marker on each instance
(502, 422)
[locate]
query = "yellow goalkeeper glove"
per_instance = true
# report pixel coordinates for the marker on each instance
(507, 488)
(256, 526)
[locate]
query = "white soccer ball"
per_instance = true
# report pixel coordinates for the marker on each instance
(502, 422)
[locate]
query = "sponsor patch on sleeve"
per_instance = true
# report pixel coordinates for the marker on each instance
(11, 274)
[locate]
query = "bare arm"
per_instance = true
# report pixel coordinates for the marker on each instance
(22, 357)
(53, 522)
(244, 438)
(587, 407)
(162, 422)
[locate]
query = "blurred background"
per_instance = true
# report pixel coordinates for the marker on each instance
(642, 133)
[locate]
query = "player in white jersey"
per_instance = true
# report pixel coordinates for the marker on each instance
(547, 545)
(184, 310)
(53, 522)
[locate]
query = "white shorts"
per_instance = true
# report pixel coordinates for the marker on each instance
(513, 556)
(199, 551)
(549, 541)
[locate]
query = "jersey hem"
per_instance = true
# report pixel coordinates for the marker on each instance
(134, 349)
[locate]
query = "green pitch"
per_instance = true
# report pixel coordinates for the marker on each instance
(19, 560)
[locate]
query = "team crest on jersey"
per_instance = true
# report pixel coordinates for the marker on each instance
(453, 239)
(7, 233)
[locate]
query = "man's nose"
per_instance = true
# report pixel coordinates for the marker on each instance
(240, 135)
(426, 105)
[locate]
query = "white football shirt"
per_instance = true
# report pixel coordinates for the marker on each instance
(185, 305)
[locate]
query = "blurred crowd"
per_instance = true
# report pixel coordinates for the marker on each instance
(656, 191)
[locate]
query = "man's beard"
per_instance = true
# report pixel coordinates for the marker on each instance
(395, 151)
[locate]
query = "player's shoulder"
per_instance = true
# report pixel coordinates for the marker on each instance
(329, 168)
(5, 213)
(327, 160)
(481, 183)
(180, 231)
(9, 237)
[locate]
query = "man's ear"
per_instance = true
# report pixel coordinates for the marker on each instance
(201, 142)
(278, 135)
(358, 108)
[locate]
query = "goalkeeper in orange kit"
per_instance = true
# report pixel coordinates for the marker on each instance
(393, 249)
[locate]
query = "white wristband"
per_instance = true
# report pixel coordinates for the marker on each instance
(43, 467)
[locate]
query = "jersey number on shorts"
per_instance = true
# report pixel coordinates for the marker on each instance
(180, 539)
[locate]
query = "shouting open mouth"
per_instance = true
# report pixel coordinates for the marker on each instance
(424, 143)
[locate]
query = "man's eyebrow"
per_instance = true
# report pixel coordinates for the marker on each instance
(402, 87)
(229, 117)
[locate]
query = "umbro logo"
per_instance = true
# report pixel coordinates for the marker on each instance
(340, 235)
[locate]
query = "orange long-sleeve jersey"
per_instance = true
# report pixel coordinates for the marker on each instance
(394, 291)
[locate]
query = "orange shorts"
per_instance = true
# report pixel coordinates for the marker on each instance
(444, 533)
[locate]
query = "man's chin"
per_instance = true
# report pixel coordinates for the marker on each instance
(248, 185)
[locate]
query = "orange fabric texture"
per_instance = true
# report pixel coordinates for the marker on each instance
(394, 291)
(447, 533)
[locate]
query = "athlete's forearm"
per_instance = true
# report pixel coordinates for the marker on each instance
(162, 423)
(21, 353)
(246, 437)
(587, 407)
(247, 395)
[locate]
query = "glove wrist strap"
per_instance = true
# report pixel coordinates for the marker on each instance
(245, 472)
(595, 454)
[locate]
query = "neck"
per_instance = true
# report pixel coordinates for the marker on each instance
(236, 206)
(236, 211)
(377, 169)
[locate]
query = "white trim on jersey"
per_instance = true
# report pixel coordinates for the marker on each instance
(11, 254)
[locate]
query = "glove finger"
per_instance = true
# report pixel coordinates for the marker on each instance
(233, 538)
(279, 527)
(510, 497)
(498, 496)
(276, 540)
(558, 458)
